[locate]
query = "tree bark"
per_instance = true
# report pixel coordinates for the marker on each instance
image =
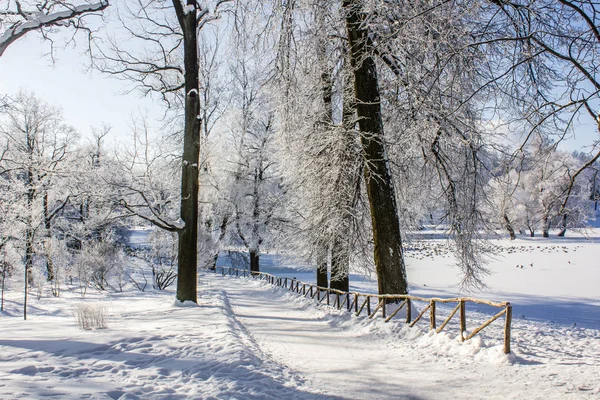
(187, 255)
(254, 261)
(509, 227)
(563, 226)
(321, 256)
(388, 256)
(48, 226)
(340, 264)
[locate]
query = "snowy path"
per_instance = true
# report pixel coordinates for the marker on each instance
(353, 358)
(250, 340)
(151, 351)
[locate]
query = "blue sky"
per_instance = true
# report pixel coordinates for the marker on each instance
(87, 99)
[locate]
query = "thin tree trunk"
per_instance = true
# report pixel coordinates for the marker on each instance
(254, 261)
(563, 226)
(388, 256)
(327, 125)
(187, 253)
(321, 256)
(48, 226)
(3, 280)
(222, 231)
(509, 227)
(546, 228)
(340, 263)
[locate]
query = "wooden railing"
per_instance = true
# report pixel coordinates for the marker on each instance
(359, 302)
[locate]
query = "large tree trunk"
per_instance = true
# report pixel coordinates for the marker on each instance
(187, 257)
(389, 261)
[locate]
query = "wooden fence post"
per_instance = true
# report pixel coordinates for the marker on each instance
(368, 305)
(463, 319)
(507, 323)
(383, 308)
(348, 301)
(327, 296)
(408, 311)
(432, 315)
(356, 302)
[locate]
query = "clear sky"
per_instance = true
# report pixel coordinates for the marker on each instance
(87, 99)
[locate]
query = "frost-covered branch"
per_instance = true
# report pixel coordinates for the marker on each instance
(18, 22)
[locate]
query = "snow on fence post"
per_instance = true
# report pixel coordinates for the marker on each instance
(432, 315)
(463, 319)
(507, 323)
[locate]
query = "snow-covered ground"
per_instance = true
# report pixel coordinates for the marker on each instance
(247, 339)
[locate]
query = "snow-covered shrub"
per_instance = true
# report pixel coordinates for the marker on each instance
(90, 316)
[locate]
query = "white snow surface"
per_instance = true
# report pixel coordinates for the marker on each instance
(249, 340)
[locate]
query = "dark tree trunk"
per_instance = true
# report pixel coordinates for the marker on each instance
(187, 255)
(531, 232)
(563, 226)
(546, 228)
(48, 226)
(509, 227)
(254, 260)
(321, 256)
(340, 263)
(388, 256)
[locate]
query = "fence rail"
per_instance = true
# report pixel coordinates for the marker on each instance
(358, 302)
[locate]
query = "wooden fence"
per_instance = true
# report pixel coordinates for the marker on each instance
(373, 304)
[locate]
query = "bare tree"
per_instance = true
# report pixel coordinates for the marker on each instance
(38, 146)
(166, 33)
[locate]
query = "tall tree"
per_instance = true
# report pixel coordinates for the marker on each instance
(388, 253)
(168, 64)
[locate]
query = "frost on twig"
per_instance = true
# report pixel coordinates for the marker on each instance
(18, 22)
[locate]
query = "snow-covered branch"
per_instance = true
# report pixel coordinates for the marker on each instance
(27, 21)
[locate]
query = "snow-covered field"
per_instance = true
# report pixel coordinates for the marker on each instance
(247, 339)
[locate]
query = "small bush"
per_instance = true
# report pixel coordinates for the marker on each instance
(90, 316)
